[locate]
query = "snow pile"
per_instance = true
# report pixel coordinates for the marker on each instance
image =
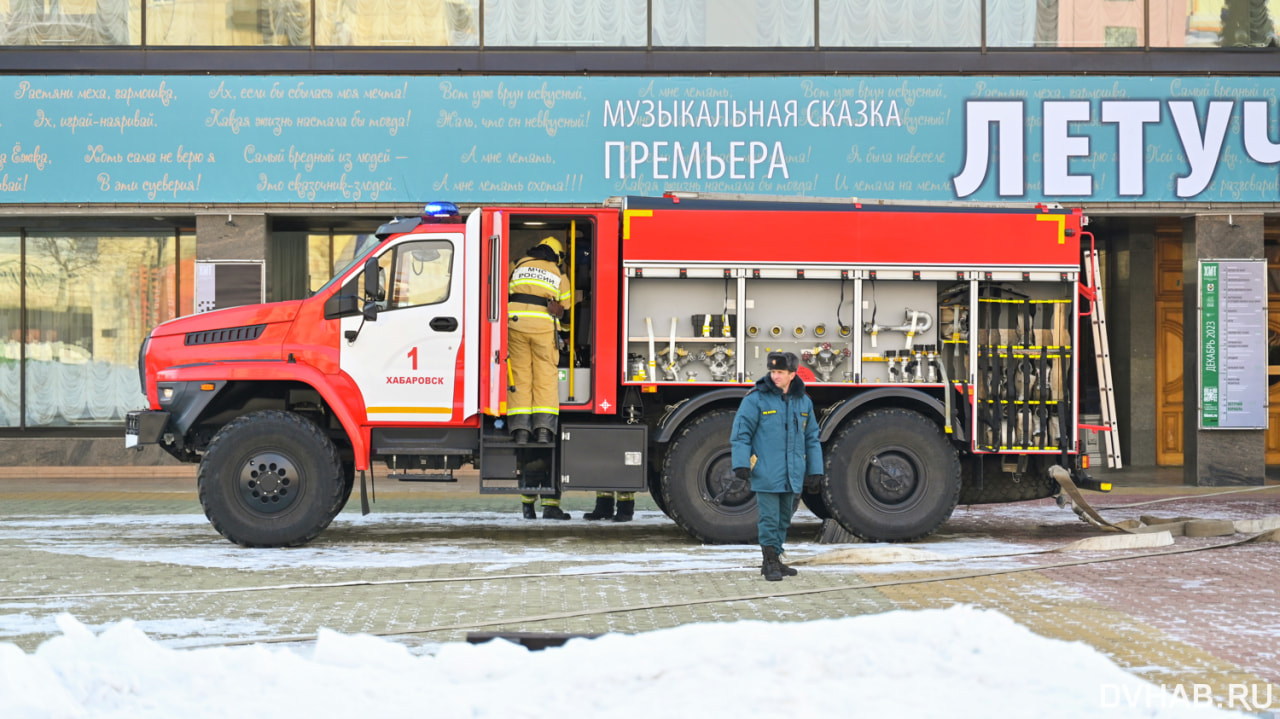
(959, 662)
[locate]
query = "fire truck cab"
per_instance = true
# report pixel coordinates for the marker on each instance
(937, 342)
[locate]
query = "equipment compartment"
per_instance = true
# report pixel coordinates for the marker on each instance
(899, 327)
(682, 330)
(1024, 388)
(804, 316)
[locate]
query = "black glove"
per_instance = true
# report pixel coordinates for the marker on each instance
(813, 483)
(555, 309)
(743, 473)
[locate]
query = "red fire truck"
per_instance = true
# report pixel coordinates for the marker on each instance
(938, 342)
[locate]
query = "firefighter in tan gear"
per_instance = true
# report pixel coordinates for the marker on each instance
(537, 296)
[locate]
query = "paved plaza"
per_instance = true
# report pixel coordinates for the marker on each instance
(435, 562)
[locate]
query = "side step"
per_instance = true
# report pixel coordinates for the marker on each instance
(510, 468)
(447, 476)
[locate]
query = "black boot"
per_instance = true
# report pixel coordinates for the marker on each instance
(554, 512)
(542, 435)
(786, 571)
(626, 509)
(530, 511)
(521, 436)
(769, 568)
(603, 510)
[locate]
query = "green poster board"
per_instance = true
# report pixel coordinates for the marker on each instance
(1233, 344)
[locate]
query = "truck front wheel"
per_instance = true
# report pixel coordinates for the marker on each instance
(699, 490)
(271, 479)
(892, 476)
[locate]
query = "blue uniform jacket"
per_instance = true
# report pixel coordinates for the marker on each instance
(781, 430)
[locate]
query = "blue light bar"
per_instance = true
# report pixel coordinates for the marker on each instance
(441, 209)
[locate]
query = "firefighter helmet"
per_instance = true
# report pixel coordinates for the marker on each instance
(554, 244)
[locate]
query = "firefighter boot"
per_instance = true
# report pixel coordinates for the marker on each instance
(551, 509)
(770, 567)
(604, 507)
(528, 508)
(521, 436)
(542, 435)
(626, 509)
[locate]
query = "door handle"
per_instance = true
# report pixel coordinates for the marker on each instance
(443, 324)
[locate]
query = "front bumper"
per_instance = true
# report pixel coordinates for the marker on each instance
(144, 426)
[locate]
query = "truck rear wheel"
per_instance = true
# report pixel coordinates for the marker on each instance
(892, 476)
(699, 491)
(814, 502)
(654, 483)
(271, 479)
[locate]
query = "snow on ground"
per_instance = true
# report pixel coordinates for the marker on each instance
(187, 540)
(959, 662)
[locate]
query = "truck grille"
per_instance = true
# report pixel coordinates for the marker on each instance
(230, 334)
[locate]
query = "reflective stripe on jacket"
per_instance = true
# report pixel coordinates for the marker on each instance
(539, 278)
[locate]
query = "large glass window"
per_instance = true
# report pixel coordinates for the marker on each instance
(1022, 23)
(900, 23)
(1089, 23)
(420, 23)
(330, 253)
(90, 300)
(10, 329)
(229, 22)
(1215, 23)
(627, 23)
(727, 23)
(590, 23)
(70, 22)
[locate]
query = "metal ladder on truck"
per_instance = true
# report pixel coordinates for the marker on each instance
(1110, 440)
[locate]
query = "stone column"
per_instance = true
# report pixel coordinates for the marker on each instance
(1131, 297)
(1218, 457)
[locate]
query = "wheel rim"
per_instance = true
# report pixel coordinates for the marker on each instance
(270, 482)
(722, 489)
(892, 479)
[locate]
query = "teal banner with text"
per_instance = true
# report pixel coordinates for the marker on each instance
(360, 139)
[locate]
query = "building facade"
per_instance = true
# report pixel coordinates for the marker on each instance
(157, 154)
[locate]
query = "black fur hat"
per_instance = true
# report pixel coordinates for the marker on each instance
(784, 361)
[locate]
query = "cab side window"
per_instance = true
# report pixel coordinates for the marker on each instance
(421, 275)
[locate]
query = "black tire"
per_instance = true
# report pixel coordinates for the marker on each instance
(271, 479)
(816, 504)
(698, 487)
(348, 481)
(654, 483)
(892, 476)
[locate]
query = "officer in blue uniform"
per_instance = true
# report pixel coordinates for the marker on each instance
(776, 426)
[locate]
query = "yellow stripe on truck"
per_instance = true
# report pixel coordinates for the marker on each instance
(410, 410)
